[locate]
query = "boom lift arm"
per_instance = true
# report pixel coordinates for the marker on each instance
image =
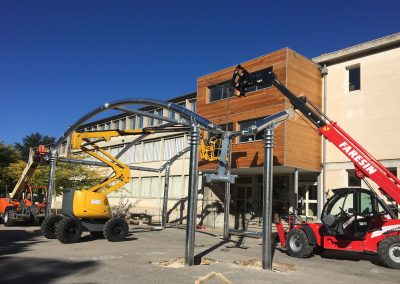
(121, 174)
(365, 164)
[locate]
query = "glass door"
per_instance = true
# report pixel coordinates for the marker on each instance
(307, 199)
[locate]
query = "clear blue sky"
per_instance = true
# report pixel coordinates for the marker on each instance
(61, 59)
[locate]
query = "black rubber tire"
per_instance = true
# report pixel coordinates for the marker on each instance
(297, 244)
(116, 229)
(97, 235)
(389, 251)
(8, 221)
(68, 230)
(48, 226)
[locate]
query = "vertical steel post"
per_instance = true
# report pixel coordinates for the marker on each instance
(267, 197)
(165, 197)
(192, 195)
(296, 191)
(52, 177)
(227, 201)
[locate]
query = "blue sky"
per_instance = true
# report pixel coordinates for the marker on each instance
(61, 59)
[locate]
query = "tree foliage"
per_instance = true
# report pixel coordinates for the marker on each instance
(8, 154)
(67, 176)
(33, 140)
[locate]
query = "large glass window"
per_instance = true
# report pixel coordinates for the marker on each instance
(245, 124)
(220, 91)
(354, 78)
(151, 151)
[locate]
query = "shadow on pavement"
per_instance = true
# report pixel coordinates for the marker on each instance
(39, 270)
(352, 256)
(17, 241)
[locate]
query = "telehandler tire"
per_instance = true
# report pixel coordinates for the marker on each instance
(389, 251)
(297, 244)
(48, 226)
(8, 221)
(68, 230)
(116, 229)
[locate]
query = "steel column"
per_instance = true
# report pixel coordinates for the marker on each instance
(52, 177)
(165, 198)
(296, 192)
(227, 201)
(192, 195)
(267, 197)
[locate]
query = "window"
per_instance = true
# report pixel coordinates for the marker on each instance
(133, 122)
(151, 151)
(263, 86)
(151, 121)
(159, 112)
(172, 146)
(352, 179)
(135, 186)
(193, 105)
(171, 114)
(220, 91)
(246, 124)
(108, 124)
(226, 126)
(116, 124)
(140, 122)
(365, 204)
(123, 124)
(354, 78)
(102, 126)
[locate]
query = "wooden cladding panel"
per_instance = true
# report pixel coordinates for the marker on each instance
(254, 105)
(296, 143)
(303, 143)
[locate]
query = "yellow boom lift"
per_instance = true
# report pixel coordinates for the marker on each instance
(89, 208)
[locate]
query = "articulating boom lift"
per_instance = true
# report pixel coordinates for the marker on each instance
(353, 219)
(89, 208)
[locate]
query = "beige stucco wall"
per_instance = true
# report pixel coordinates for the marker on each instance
(370, 115)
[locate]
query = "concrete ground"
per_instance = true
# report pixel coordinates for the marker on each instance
(27, 256)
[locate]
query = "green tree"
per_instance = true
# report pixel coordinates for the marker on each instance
(8, 154)
(67, 176)
(33, 140)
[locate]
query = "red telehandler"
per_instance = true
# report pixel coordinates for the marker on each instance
(25, 203)
(353, 219)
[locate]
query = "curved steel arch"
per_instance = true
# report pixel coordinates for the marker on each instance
(189, 115)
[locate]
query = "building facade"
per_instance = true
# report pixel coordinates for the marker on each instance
(357, 87)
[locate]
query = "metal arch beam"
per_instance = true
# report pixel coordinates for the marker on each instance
(183, 112)
(189, 115)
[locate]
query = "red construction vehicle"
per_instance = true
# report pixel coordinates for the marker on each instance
(25, 203)
(353, 219)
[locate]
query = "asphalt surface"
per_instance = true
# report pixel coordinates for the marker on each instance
(26, 256)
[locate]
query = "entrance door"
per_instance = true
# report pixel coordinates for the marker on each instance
(308, 199)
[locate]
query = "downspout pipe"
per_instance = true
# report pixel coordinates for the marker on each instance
(324, 73)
